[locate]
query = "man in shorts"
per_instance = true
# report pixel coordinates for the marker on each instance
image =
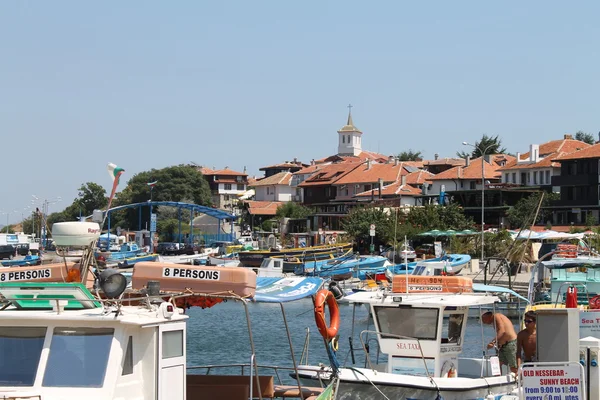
(505, 340)
(527, 340)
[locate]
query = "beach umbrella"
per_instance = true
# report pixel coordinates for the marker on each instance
(435, 232)
(450, 232)
(466, 232)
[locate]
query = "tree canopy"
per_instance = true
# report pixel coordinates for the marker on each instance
(410, 155)
(585, 137)
(293, 210)
(522, 213)
(488, 144)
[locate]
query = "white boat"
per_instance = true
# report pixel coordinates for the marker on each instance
(420, 329)
(225, 261)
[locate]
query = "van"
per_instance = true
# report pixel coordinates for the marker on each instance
(7, 251)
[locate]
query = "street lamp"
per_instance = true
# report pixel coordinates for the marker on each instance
(482, 189)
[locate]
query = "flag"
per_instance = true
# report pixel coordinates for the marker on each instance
(115, 173)
(152, 184)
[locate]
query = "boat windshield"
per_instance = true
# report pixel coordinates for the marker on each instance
(24, 344)
(78, 357)
(452, 328)
(418, 323)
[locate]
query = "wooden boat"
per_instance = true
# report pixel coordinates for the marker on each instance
(253, 258)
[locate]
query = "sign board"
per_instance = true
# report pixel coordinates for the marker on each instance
(589, 324)
(412, 366)
(556, 381)
(495, 366)
(372, 232)
(153, 222)
(372, 227)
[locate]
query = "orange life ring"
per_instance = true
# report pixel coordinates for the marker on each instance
(325, 296)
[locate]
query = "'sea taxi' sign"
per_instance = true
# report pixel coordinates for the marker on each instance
(556, 381)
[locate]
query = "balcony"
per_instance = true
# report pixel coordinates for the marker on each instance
(575, 180)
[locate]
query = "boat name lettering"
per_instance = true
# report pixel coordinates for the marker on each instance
(93, 231)
(590, 321)
(191, 273)
(24, 275)
(425, 288)
(408, 346)
(426, 280)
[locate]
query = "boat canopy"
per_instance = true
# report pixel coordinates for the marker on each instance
(564, 263)
(480, 287)
(448, 300)
(543, 235)
(281, 290)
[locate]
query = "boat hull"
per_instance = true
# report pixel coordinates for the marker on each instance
(254, 258)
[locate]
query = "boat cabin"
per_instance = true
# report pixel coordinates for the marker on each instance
(422, 330)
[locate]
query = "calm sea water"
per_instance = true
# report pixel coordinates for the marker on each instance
(219, 335)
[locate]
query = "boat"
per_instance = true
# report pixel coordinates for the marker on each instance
(253, 258)
(344, 267)
(60, 340)
(228, 260)
(126, 250)
(420, 327)
(131, 261)
(27, 260)
(448, 264)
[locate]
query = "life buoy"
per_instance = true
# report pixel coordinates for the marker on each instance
(325, 296)
(595, 302)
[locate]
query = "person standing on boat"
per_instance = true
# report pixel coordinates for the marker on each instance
(527, 340)
(505, 340)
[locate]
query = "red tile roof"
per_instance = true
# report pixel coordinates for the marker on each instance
(395, 189)
(329, 174)
(445, 161)
(473, 171)
(365, 174)
(287, 164)
(282, 178)
(363, 156)
(222, 172)
(418, 177)
(263, 207)
(588, 152)
(310, 169)
(550, 151)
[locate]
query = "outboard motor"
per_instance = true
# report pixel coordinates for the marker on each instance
(335, 289)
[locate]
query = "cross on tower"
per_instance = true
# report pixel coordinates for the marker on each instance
(349, 108)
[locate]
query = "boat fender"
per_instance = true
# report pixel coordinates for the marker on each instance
(335, 289)
(325, 296)
(595, 302)
(571, 301)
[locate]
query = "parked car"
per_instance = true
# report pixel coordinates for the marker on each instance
(7, 251)
(168, 248)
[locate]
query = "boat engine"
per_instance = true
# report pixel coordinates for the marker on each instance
(335, 289)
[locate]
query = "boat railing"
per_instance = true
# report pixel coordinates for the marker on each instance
(242, 367)
(368, 349)
(575, 284)
(395, 337)
(304, 355)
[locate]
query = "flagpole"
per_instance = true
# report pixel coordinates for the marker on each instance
(151, 233)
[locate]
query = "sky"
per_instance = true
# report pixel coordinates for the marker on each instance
(150, 84)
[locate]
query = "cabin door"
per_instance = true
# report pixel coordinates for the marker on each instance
(171, 361)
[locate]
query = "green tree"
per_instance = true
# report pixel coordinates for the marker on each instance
(433, 216)
(522, 213)
(410, 155)
(293, 210)
(175, 183)
(493, 144)
(358, 221)
(585, 137)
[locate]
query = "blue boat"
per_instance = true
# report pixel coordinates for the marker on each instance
(346, 267)
(127, 250)
(451, 263)
(23, 262)
(131, 261)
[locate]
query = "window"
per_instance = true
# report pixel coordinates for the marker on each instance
(541, 177)
(343, 139)
(367, 187)
(473, 185)
(25, 345)
(128, 358)
(452, 328)
(227, 186)
(348, 139)
(535, 177)
(506, 176)
(240, 186)
(83, 352)
(514, 176)
(418, 323)
(172, 344)
(346, 191)
(548, 178)
(238, 178)
(268, 190)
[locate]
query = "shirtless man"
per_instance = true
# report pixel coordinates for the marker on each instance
(505, 340)
(526, 340)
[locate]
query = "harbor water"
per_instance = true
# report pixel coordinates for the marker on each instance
(219, 335)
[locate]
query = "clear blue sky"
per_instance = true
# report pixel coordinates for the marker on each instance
(148, 84)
